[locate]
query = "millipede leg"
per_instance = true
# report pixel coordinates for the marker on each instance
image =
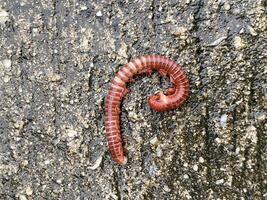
(162, 72)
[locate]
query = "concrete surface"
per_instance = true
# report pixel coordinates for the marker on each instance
(56, 61)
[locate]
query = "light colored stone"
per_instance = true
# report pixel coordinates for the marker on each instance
(181, 32)
(159, 151)
(54, 77)
(219, 182)
(252, 31)
(29, 191)
(71, 133)
(83, 8)
(226, 6)
(251, 133)
(22, 197)
(3, 16)
(7, 64)
(154, 140)
(260, 116)
(239, 43)
(97, 163)
(166, 188)
(223, 120)
(186, 176)
(99, 14)
(195, 167)
(6, 79)
(217, 41)
(201, 160)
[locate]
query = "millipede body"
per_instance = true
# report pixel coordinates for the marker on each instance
(168, 100)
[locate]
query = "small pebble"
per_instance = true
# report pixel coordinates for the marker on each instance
(252, 31)
(201, 160)
(29, 191)
(22, 197)
(226, 6)
(71, 133)
(181, 32)
(99, 14)
(6, 79)
(186, 176)
(25, 162)
(219, 182)
(3, 16)
(83, 8)
(166, 188)
(54, 77)
(7, 64)
(218, 140)
(46, 162)
(154, 140)
(251, 133)
(239, 43)
(59, 181)
(159, 151)
(35, 30)
(217, 41)
(18, 124)
(97, 163)
(223, 120)
(260, 116)
(195, 167)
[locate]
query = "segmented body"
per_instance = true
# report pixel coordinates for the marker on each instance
(169, 100)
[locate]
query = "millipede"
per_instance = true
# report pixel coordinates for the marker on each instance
(171, 99)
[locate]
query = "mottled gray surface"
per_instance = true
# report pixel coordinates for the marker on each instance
(56, 61)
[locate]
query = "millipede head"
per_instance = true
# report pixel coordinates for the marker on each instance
(158, 102)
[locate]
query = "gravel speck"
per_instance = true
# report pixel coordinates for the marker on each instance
(195, 167)
(83, 8)
(201, 160)
(71, 133)
(260, 116)
(159, 151)
(166, 188)
(223, 120)
(3, 16)
(226, 6)
(154, 140)
(219, 182)
(7, 64)
(239, 43)
(29, 191)
(252, 30)
(251, 133)
(217, 41)
(22, 197)
(99, 14)
(185, 176)
(97, 163)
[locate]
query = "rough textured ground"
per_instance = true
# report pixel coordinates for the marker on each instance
(56, 61)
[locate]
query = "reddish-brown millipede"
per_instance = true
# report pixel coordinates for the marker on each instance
(169, 100)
